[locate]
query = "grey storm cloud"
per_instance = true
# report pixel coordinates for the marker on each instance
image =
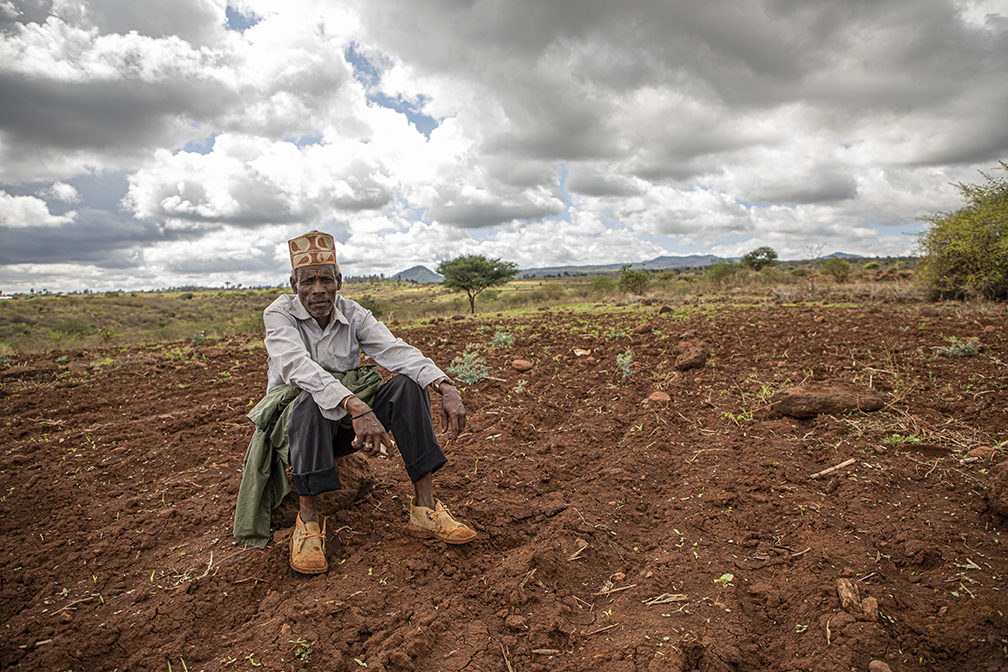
(99, 237)
(450, 127)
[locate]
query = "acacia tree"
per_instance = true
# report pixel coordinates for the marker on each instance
(967, 250)
(760, 258)
(472, 273)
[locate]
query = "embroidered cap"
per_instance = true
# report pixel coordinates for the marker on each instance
(312, 248)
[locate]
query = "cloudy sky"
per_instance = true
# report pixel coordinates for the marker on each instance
(171, 142)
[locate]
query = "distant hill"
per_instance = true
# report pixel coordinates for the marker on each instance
(657, 264)
(420, 275)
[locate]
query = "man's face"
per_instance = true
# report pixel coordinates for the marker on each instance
(316, 287)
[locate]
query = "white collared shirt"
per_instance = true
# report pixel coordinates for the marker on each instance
(301, 353)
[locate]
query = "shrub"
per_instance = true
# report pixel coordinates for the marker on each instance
(721, 271)
(633, 282)
(760, 258)
(502, 338)
(872, 266)
(838, 268)
(966, 251)
(602, 284)
(370, 303)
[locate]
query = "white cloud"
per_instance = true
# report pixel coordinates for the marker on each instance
(61, 191)
(24, 212)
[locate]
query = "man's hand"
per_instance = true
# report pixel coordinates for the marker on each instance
(453, 415)
(370, 435)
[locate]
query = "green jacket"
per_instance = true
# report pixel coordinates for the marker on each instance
(264, 481)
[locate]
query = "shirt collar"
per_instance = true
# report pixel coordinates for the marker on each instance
(301, 313)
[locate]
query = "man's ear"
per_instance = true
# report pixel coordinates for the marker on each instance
(339, 281)
(293, 281)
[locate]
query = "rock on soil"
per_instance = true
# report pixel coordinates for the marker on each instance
(831, 397)
(997, 489)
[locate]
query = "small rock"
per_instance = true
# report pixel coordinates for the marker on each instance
(211, 353)
(929, 311)
(581, 352)
(665, 309)
(521, 365)
(516, 622)
(659, 397)
(983, 452)
(878, 666)
(870, 607)
(693, 358)
(830, 397)
(848, 594)
(997, 489)
(644, 328)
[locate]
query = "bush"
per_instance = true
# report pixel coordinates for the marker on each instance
(469, 368)
(372, 304)
(838, 268)
(602, 284)
(872, 266)
(633, 282)
(966, 251)
(760, 258)
(721, 271)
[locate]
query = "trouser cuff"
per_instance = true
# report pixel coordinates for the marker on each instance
(316, 482)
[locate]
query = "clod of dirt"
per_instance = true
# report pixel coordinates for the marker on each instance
(831, 397)
(643, 328)
(871, 609)
(521, 365)
(850, 600)
(659, 398)
(997, 489)
(664, 309)
(928, 311)
(694, 357)
(878, 666)
(983, 452)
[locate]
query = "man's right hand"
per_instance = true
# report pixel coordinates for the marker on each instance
(370, 435)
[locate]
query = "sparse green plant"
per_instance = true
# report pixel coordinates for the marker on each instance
(625, 362)
(469, 367)
(502, 339)
(199, 336)
(519, 388)
(957, 348)
(302, 649)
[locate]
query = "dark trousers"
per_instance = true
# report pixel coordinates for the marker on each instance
(401, 406)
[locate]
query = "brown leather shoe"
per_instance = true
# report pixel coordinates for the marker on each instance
(438, 523)
(307, 547)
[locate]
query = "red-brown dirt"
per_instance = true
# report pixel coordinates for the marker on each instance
(615, 533)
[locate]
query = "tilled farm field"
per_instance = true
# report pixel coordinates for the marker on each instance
(618, 530)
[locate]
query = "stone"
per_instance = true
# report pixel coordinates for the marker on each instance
(694, 357)
(847, 591)
(664, 309)
(871, 609)
(643, 328)
(878, 666)
(211, 353)
(928, 311)
(659, 397)
(522, 365)
(983, 452)
(997, 489)
(829, 397)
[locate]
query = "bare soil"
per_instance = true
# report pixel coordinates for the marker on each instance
(615, 533)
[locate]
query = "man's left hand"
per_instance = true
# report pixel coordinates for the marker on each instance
(453, 415)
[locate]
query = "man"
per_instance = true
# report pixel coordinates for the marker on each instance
(314, 333)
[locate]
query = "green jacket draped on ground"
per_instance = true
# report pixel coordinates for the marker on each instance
(264, 481)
